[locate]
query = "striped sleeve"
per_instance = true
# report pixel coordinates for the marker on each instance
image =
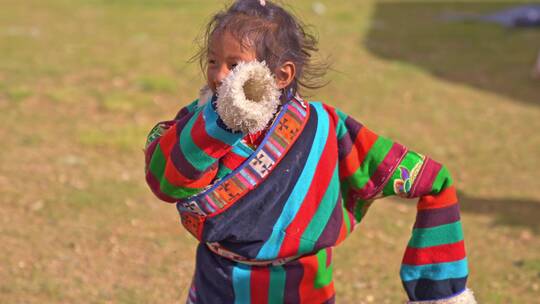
(182, 155)
(434, 266)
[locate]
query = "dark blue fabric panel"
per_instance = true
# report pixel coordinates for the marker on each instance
(213, 278)
(424, 289)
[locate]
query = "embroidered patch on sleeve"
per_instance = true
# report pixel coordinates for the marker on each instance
(403, 185)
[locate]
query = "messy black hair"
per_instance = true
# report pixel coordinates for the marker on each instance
(277, 36)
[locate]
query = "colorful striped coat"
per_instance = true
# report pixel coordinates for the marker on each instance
(267, 219)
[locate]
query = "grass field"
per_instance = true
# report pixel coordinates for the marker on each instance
(82, 81)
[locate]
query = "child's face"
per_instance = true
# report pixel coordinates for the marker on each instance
(224, 53)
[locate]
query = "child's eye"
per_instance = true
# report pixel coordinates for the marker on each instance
(211, 61)
(233, 65)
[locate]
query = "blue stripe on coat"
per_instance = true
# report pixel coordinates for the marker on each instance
(242, 150)
(271, 247)
(241, 277)
(439, 271)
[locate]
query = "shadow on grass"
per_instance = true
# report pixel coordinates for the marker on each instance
(480, 55)
(508, 212)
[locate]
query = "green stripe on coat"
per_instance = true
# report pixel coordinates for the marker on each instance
(435, 236)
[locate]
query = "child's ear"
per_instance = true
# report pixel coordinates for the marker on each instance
(285, 74)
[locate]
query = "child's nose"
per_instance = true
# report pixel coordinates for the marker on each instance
(220, 76)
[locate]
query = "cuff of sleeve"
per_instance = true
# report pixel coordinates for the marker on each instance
(157, 131)
(215, 128)
(465, 297)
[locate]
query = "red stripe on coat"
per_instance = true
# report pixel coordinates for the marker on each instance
(232, 160)
(436, 254)
(211, 146)
(168, 140)
(260, 284)
(444, 198)
(361, 146)
(173, 176)
(308, 293)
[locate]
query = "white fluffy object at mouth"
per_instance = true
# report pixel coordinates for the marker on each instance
(248, 97)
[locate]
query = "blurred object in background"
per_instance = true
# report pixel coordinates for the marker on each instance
(536, 69)
(529, 18)
(521, 16)
(450, 42)
(318, 8)
(516, 16)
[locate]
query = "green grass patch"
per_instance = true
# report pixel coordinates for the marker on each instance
(18, 94)
(128, 138)
(67, 95)
(35, 284)
(532, 265)
(30, 140)
(103, 200)
(158, 84)
(158, 4)
(131, 295)
(125, 102)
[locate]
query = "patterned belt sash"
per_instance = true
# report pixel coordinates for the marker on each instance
(281, 136)
(219, 250)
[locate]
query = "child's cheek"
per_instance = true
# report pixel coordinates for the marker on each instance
(210, 81)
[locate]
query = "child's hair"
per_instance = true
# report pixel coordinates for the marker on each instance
(276, 35)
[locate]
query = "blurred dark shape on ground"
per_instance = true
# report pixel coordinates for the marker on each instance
(509, 212)
(536, 69)
(491, 58)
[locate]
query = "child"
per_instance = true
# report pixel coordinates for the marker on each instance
(269, 188)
